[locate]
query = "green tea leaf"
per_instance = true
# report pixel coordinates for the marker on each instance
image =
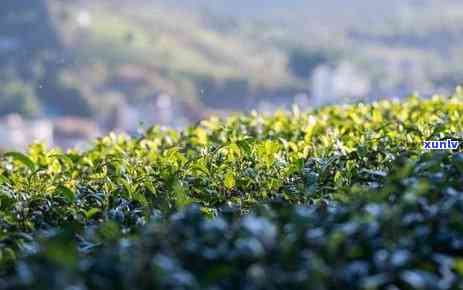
(229, 180)
(91, 213)
(68, 194)
(25, 160)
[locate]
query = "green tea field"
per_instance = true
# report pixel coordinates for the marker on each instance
(341, 197)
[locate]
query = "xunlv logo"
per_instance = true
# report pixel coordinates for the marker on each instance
(437, 145)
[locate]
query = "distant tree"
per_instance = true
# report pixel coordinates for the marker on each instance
(302, 62)
(18, 97)
(27, 26)
(33, 52)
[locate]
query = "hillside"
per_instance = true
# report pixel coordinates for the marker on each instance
(303, 13)
(226, 56)
(223, 53)
(184, 58)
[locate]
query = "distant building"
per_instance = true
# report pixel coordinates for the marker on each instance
(84, 18)
(74, 132)
(161, 109)
(337, 84)
(17, 133)
(408, 75)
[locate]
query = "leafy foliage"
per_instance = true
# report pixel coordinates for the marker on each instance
(407, 236)
(341, 197)
(18, 97)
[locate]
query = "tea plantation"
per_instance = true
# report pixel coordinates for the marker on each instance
(343, 197)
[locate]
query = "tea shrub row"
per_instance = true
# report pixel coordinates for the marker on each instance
(408, 235)
(189, 210)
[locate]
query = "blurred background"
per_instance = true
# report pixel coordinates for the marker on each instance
(74, 70)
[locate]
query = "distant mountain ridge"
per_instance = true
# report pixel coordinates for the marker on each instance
(299, 12)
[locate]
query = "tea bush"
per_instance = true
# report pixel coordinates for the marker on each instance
(338, 198)
(408, 235)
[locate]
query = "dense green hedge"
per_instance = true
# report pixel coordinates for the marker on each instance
(339, 198)
(409, 235)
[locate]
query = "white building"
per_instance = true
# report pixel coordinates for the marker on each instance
(84, 18)
(338, 84)
(17, 133)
